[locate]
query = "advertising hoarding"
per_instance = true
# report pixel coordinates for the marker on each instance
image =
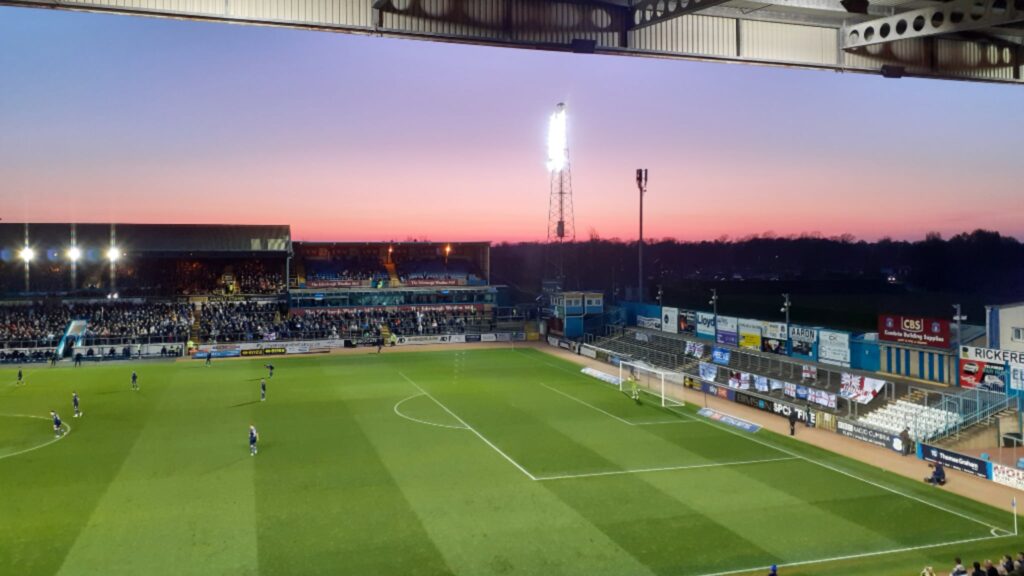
(914, 330)
(727, 331)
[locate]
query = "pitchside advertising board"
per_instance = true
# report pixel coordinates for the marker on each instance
(670, 320)
(871, 436)
(955, 461)
(914, 330)
(772, 407)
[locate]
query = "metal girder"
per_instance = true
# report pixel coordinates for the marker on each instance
(650, 12)
(948, 18)
(594, 17)
(793, 33)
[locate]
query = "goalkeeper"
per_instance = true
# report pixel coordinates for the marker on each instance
(634, 388)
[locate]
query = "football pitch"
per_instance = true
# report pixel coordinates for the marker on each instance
(476, 462)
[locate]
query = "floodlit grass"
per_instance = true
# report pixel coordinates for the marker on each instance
(469, 462)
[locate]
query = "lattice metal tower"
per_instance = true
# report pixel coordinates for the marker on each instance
(561, 222)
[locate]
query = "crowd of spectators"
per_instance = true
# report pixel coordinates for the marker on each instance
(1006, 566)
(241, 321)
(257, 277)
(363, 323)
(33, 326)
(349, 271)
(43, 325)
(171, 321)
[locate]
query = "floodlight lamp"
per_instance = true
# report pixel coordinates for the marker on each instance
(114, 253)
(27, 254)
(74, 253)
(557, 140)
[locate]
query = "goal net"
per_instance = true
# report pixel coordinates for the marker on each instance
(662, 386)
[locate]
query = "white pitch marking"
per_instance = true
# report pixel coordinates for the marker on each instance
(851, 475)
(407, 417)
(470, 428)
(855, 556)
(664, 469)
(43, 445)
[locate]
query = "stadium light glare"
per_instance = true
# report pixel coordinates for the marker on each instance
(74, 253)
(27, 254)
(557, 140)
(114, 254)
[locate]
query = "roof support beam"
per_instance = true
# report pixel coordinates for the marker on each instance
(948, 18)
(649, 12)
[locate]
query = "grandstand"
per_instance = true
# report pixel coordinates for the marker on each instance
(119, 290)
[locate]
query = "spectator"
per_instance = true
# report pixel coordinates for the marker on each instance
(977, 570)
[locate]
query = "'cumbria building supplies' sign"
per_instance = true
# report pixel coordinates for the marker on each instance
(914, 330)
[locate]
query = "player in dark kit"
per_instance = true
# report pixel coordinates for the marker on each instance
(135, 381)
(792, 421)
(209, 357)
(56, 423)
(254, 437)
(74, 402)
(263, 389)
(20, 377)
(270, 370)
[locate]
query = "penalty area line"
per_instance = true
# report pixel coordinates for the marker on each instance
(753, 569)
(470, 428)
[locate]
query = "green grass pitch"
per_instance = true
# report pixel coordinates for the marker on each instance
(457, 462)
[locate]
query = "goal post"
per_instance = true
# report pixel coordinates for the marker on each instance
(650, 381)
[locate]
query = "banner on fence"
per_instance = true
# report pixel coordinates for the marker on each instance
(708, 371)
(720, 356)
(694, 349)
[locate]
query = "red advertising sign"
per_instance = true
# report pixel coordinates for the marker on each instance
(914, 330)
(984, 375)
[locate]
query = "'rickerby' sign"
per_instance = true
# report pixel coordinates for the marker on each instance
(991, 355)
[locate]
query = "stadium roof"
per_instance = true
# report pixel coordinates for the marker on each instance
(153, 238)
(980, 40)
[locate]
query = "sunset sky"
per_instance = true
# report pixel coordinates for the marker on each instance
(112, 118)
